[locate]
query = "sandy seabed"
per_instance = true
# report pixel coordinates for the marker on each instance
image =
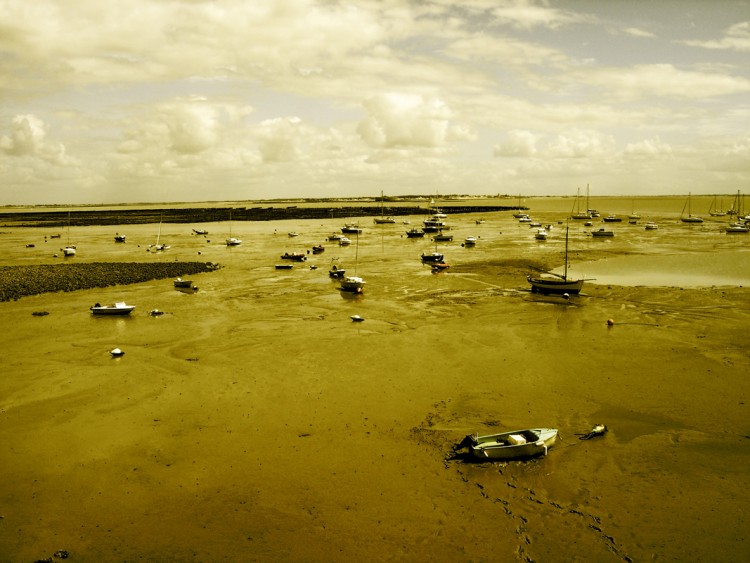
(253, 421)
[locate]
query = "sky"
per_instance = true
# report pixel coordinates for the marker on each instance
(232, 100)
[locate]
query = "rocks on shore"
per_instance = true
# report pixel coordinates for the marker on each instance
(22, 281)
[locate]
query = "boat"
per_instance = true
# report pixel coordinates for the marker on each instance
(318, 248)
(415, 233)
(541, 234)
(737, 228)
(70, 249)
(293, 234)
(119, 237)
(602, 232)
(439, 266)
(344, 241)
(519, 210)
(524, 219)
(180, 283)
(557, 284)
(440, 237)
(159, 246)
(354, 284)
(284, 266)
(434, 224)
(334, 237)
(581, 215)
(200, 231)
(232, 241)
(119, 308)
(432, 258)
(517, 444)
(470, 241)
(689, 218)
(612, 219)
(351, 229)
(480, 221)
(336, 272)
(382, 220)
(714, 211)
(633, 218)
(651, 226)
(294, 256)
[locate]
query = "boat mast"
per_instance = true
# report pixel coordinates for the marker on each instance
(565, 268)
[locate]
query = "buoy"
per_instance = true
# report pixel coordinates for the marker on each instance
(610, 322)
(116, 352)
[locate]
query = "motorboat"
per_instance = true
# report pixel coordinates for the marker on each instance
(415, 233)
(541, 234)
(294, 256)
(318, 248)
(354, 284)
(344, 241)
(119, 237)
(432, 258)
(119, 308)
(233, 241)
(351, 229)
(337, 272)
(516, 444)
(180, 283)
(651, 226)
(470, 241)
(602, 232)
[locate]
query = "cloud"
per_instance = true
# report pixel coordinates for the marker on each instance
(193, 127)
(398, 120)
(26, 136)
(637, 32)
(278, 139)
(736, 38)
(581, 143)
(647, 148)
(520, 143)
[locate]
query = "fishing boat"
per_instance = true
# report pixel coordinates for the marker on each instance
(119, 308)
(517, 444)
(382, 220)
(689, 218)
(559, 284)
(232, 241)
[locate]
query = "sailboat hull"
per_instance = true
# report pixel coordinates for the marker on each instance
(555, 286)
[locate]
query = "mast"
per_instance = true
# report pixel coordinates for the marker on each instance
(565, 268)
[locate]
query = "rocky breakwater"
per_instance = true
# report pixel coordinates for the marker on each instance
(20, 281)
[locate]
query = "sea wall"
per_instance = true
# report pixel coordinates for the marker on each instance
(21, 281)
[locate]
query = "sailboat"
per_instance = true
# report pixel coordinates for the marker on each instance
(69, 250)
(689, 218)
(354, 284)
(232, 241)
(433, 258)
(159, 246)
(559, 284)
(383, 219)
(581, 215)
(519, 210)
(714, 211)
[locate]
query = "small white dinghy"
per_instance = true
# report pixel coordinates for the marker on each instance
(517, 444)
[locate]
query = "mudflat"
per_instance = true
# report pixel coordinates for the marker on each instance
(254, 420)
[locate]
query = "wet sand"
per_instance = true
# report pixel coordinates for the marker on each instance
(255, 421)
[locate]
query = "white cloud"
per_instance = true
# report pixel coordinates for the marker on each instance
(648, 147)
(581, 143)
(397, 120)
(279, 139)
(520, 143)
(736, 38)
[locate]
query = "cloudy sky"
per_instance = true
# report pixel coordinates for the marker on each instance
(197, 100)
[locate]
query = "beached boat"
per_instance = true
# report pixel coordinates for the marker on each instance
(200, 231)
(578, 214)
(294, 256)
(119, 308)
(602, 232)
(415, 233)
(334, 237)
(558, 284)
(689, 217)
(734, 228)
(119, 237)
(351, 229)
(541, 234)
(293, 234)
(517, 444)
(715, 211)
(337, 272)
(612, 219)
(441, 237)
(382, 220)
(439, 266)
(354, 284)
(470, 241)
(432, 257)
(232, 241)
(284, 266)
(344, 241)
(651, 226)
(318, 248)
(180, 283)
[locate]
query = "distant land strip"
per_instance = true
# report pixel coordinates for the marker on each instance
(85, 217)
(22, 281)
